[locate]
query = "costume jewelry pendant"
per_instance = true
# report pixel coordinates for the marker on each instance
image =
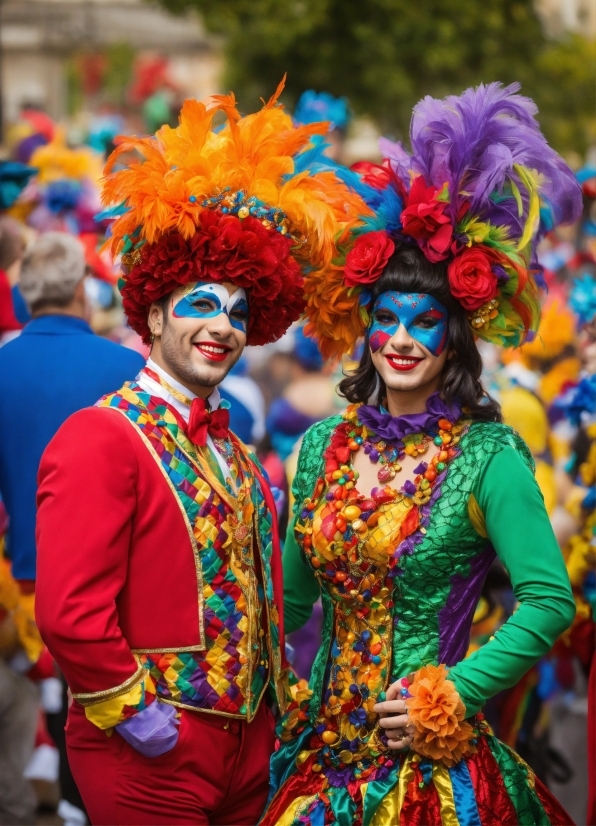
(390, 456)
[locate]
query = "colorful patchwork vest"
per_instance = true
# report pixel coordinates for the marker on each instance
(230, 535)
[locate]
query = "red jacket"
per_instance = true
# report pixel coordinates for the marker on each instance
(115, 567)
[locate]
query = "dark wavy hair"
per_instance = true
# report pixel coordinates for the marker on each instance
(408, 271)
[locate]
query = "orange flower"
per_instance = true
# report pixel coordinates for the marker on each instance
(437, 714)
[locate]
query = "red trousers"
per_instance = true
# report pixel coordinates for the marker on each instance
(217, 773)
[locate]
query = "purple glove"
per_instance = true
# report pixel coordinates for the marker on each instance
(151, 732)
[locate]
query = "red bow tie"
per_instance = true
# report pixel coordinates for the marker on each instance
(202, 421)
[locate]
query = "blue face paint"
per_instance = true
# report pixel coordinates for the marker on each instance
(205, 299)
(423, 316)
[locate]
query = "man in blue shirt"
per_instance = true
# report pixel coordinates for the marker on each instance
(55, 367)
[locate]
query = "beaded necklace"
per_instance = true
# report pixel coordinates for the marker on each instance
(356, 514)
(390, 456)
(353, 435)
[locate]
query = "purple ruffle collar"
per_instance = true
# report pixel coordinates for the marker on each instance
(384, 426)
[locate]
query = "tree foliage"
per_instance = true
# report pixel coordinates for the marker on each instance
(384, 55)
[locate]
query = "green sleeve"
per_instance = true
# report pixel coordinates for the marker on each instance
(519, 529)
(301, 588)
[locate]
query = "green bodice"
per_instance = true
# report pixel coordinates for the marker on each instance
(442, 565)
(485, 502)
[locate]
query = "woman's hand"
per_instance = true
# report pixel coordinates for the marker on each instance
(399, 732)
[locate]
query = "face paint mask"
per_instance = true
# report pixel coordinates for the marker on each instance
(207, 300)
(423, 316)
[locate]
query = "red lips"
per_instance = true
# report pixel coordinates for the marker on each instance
(212, 350)
(407, 362)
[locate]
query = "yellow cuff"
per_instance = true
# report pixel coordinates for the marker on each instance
(108, 713)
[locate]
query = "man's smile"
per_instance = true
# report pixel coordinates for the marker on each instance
(211, 350)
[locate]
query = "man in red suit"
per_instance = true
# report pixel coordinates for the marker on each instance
(159, 574)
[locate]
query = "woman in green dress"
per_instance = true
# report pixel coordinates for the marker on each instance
(402, 503)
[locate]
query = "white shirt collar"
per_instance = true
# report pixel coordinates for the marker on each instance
(153, 387)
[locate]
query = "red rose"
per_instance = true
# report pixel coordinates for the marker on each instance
(424, 219)
(377, 176)
(471, 278)
(368, 258)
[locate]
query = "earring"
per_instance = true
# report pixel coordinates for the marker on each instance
(152, 337)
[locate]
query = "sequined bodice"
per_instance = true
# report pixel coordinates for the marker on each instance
(386, 576)
(400, 595)
(353, 542)
(360, 583)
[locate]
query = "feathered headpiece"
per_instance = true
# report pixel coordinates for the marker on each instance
(14, 177)
(248, 203)
(313, 107)
(480, 187)
(556, 330)
(582, 298)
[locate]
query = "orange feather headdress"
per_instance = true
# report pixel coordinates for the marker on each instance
(253, 203)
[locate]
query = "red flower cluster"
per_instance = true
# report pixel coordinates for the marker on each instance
(368, 258)
(424, 219)
(471, 277)
(224, 248)
(374, 174)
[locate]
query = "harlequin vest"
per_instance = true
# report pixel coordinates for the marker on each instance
(230, 537)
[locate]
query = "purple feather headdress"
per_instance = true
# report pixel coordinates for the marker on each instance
(474, 142)
(479, 189)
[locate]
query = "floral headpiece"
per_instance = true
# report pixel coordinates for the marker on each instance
(248, 203)
(479, 189)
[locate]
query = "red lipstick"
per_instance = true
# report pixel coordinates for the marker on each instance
(212, 350)
(402, 363)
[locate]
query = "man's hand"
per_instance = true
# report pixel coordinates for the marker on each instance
(394, 719)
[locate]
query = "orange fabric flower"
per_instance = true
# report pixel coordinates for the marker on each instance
(437, 714)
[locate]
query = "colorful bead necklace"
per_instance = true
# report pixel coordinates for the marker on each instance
(352, 436)
(390, 456)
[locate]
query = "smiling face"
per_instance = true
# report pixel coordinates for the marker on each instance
(408, 340)
(200, 333)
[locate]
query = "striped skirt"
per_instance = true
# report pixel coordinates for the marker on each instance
(493, 787)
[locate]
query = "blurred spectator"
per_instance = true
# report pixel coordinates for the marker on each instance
(54, 368)
(307, 399)
(19, 706)
(247, 413)
(12, 247)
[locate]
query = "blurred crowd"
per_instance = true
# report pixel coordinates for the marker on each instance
(64, 342)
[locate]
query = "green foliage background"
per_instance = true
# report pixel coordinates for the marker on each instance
(386, 54)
